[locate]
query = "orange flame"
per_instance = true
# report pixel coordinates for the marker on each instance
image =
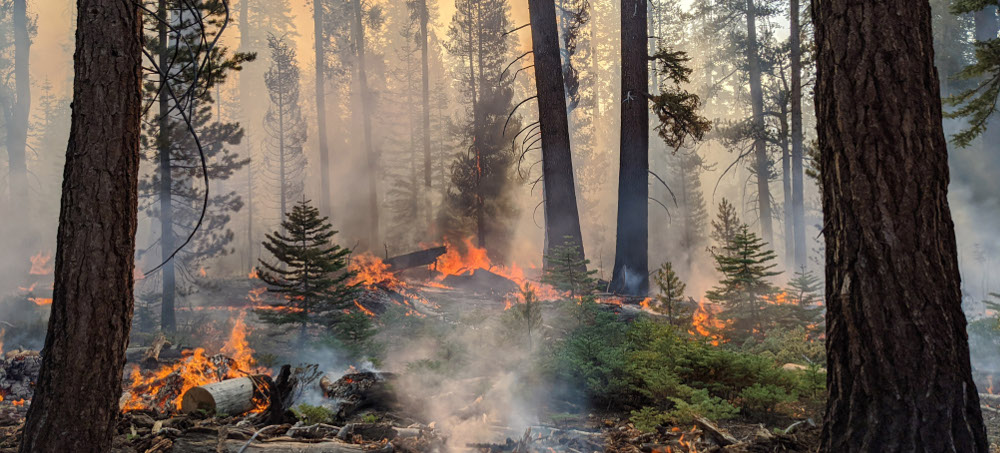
(41, 301)
(40, 264)
(253, 275)
(455, 262)
(363, 309)
(370, 271)
(778, 299)
(202, 272)
(704, 322)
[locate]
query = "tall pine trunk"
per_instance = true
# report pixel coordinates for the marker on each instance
(562, 219)
(168, 320)
(244, 87)
(17, 126)
(372, 158)
(899, 377)
(786, 186)
(282, 179)
(761, 166)
(631, 274)
(325, 205)
(75, 404)
(425, 91)
(798, 197)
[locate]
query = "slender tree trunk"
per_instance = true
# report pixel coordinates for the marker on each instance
(562, 220)
(283, 182)
(252, 261)
(17, 128)
(761, 167)
(244, 87)
(75, 404)
(319, 39)
(631, 274)
(372, 158)
(425, 90)
(897, 349)
(798, 197)
(168, 319)
(786, 188)
(480, 119)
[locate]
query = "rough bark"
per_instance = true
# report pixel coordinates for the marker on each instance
(324, 147)
(93, 297)
(372, 158)
(17, 124)
(562, 219)
(798, 197)
(168, 319)
(631, 274)
(899, 373)
(761, 165)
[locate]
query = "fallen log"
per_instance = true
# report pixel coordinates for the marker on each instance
(719, 435)
(415, 259)
(231, 396)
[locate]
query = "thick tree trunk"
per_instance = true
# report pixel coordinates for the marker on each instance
(631, 275)
(798, 197)
(899, 373)
(17, 126)
(372, 158)
(562, 219)
(168, 320)
(761, 165)
(324, 147)
(93, 296)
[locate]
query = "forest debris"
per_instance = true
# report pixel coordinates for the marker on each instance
(360, 391)
(231, 396)
(314, 431)
(483, 281)
(415, 259)
(367, 431)
(719, 435)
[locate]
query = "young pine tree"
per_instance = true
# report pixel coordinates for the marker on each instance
(566, 270)
(746, 265)
(804, 290)
(311, 272)
(523, 318)
(725, 227)
(671, 292)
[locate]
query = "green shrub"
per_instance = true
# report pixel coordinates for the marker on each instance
(763, 399)
(309, 414)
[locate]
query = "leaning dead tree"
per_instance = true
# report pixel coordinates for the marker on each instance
(93, 295)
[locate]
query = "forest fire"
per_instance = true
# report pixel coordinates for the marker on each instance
(40, 264)
(163, 388)
(705, 323)
(778, 299)
(41, 301)
(371, 272)
(455, 262)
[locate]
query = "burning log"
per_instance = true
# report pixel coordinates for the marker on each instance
(484, 281)
(359, 391)
(231, 396)
(415, 259)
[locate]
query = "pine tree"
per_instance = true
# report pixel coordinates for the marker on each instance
(804, 290)
(567, 270)
(524, 318)
(692, 201)
(671, 292)
(284, 125)
(725, 227)
(745, 264)
(310, 273)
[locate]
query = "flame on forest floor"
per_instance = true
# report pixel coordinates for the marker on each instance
(989, 385)
(41, 301)
(41, 264)
(253, 275)
(370, 272)
(202, 272)
(705, 323)
(193, 370)
(364, 310)
(455, 261)
(3, 333)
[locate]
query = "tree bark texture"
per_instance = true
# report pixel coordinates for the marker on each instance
(168, 317)
(371, 156)
(93, 296)
(562, 218)
(899, 372)
(631, 274)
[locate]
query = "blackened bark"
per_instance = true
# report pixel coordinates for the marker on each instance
(75, 405)
(761, 165)
(562, 218)
(372, 158)
(899, 373)
(168, 319)
(631, 274)
(798, 197)
(319, 39)
(17, 125)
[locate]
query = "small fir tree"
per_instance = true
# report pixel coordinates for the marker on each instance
(725, 227)
(804, 291)
(671, 293)
(311, 273)
(524, 318)
(566, 270)
(353, 333)
(746, 265)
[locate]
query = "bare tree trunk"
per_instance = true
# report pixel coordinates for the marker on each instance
(798, 198)
(282, 180)
(786, 186)
(562, 219)
(372, 158)
(17, 126)
(761, 166)
(325, 205)
(899, 373)
(425, 90)
(168, 319)
(631, 274)
(93, 295)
